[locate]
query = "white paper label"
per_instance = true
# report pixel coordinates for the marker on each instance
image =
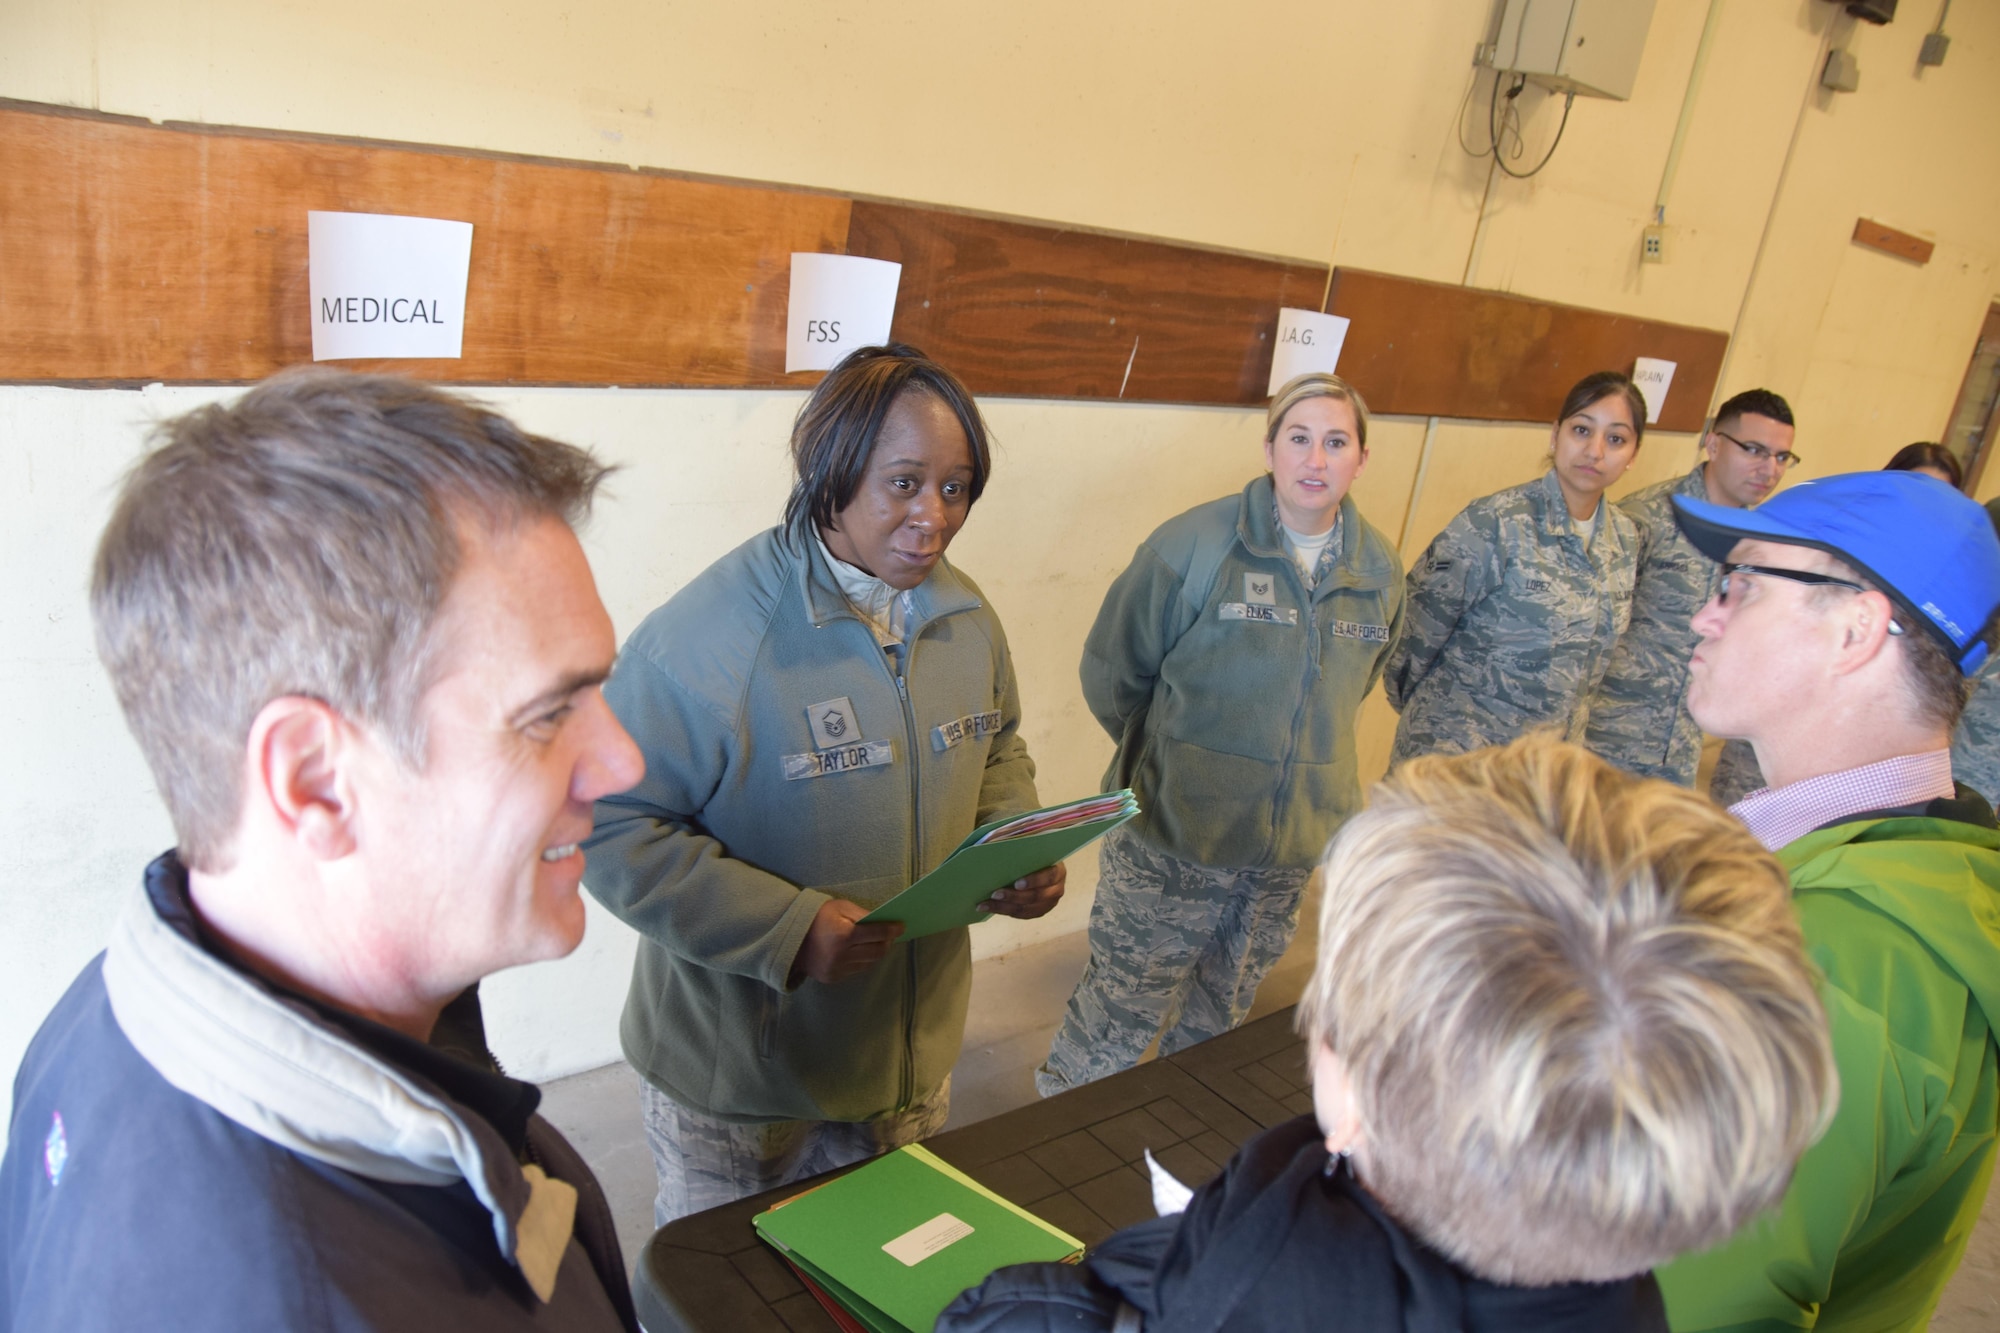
(838, 303)
(386, 286)
(1654, 378)
(921, 1242)
(1308, 343)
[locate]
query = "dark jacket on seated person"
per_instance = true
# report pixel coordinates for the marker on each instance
(1280, 1241)
(193, 1147)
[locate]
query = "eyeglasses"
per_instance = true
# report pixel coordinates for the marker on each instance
(1805, 576)
(1784, 458)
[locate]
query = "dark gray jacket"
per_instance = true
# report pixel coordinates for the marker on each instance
(192, 1148)
(1279, 1242)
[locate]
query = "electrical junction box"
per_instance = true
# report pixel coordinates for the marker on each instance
(1587, 47)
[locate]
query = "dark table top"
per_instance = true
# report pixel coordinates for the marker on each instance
(1075, 1159)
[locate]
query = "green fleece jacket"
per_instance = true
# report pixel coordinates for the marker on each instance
(789, 758)
(1902, 916)
(1231, 689)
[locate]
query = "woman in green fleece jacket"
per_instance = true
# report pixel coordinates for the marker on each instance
(1228, 662)
(825, 712)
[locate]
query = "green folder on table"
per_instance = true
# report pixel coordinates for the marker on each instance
(995, 855)
(895, 1240)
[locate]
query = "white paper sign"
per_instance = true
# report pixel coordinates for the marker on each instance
(925, 1239)
(838, 303)
(1654, 378)
(1308, 343)
(387, 286)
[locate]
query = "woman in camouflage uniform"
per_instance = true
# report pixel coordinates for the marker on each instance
(1228, 663)
(1515, 606)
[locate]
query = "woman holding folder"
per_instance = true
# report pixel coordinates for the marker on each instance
(826, 712)
(1228, 662)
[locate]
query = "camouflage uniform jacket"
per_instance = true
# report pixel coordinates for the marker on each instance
(1511, 616)
(1638, 717)
(1975, 746)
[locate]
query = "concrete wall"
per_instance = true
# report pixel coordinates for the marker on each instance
(1310, 128)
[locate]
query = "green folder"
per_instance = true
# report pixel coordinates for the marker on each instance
(896, 1239)
(946, 898)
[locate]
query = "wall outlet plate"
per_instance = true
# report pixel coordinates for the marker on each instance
(1653, 245)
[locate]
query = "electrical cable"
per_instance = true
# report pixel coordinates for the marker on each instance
(1464, 105)
(1492, 111)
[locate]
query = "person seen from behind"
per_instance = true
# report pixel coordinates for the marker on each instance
(1562, 1028)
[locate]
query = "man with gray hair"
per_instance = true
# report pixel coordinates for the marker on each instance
(1850, 612)
(352, 629)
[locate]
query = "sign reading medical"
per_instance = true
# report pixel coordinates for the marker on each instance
(837, 303)
(383, 285)
(1307, 343)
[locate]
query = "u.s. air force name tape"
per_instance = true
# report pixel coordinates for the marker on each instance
(971, 727)
(1270, 615)
(1349, 629)
(820, 763)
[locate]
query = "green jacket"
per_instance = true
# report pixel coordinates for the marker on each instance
(1902, 916)
(1231, 690)
(786, 762)
(1513, 614)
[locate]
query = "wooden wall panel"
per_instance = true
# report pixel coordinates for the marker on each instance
(1054, 312)
(136, 253)
(1430, 349)
(131, 252)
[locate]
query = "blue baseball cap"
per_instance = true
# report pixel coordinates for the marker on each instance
(1932, 549)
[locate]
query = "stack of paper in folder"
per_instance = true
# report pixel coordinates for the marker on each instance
(892, 1242)
(995, 855)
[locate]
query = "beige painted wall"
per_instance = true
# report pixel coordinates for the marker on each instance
(1309, 128)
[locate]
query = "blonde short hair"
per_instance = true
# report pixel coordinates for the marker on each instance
(1576, 1010)
(1295, 391)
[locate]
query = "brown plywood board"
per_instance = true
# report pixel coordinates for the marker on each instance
(1055, 312)
(134, 253)
(1881, 236)
(1431, 349)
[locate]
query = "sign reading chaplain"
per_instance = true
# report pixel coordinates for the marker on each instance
(387, 286)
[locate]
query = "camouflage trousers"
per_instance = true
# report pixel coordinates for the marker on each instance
(1176, 950)
(703, 1162)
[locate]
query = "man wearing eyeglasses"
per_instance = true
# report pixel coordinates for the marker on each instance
(1638, 717)
(1849, 615)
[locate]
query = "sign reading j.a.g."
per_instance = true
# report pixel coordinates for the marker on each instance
(383, 285)
(1307, 343)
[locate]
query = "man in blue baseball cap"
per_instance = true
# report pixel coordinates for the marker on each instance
(1850, 614)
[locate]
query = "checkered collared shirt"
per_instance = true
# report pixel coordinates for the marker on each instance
(1778, 815)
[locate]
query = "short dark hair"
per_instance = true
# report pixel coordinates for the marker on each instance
(1938, 689)
(300, 540)
(1602, 384)
(1927, 453)
(836, 429)
(1755, 402)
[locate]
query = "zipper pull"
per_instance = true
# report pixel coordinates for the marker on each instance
(901, 689)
